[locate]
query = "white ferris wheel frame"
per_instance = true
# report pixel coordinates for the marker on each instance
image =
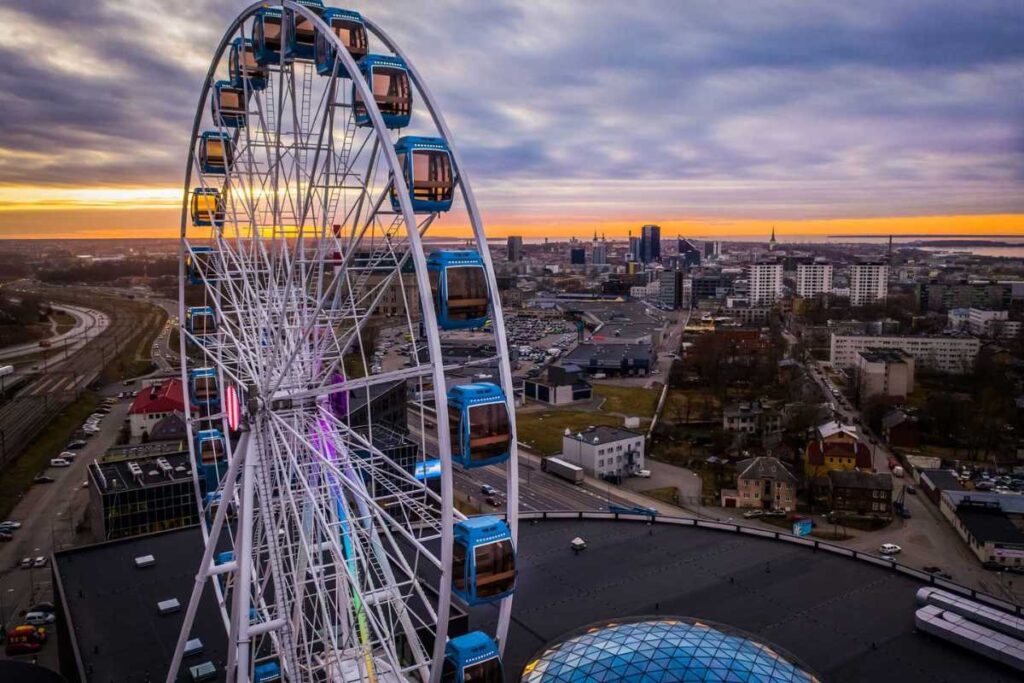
(239, 629)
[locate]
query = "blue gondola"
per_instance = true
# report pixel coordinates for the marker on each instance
(210, 451)
(301, 34)
(216, 152)
(351, 31)
(197, 264)
(427, 168)
(267, 32)
(480, 429)
(203, 388)
(484, 561)
(207, 207)
(243, 67)
(388, 78)
(472, 658)
(200, 321)
(458, 286)
(266, 672)
(227, 105)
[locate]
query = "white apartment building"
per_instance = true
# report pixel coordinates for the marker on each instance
(869, 282)
(765, 283)
(885, 372)
(986, 323)
(813, 279)
(949, 353)
(604, 451)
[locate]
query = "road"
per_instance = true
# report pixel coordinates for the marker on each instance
(50, 514)
(88, 324)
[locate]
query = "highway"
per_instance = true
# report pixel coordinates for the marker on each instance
(59, 380)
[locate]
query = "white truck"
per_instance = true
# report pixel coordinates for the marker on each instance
(563, 469)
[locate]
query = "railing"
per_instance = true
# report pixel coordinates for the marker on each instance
(812, 543)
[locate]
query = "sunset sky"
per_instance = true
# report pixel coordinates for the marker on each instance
(708, 117)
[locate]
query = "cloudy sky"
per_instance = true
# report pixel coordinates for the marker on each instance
(712, 117)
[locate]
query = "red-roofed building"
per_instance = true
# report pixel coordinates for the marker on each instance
(153, 404)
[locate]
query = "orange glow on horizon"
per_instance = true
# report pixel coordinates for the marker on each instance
(28, 212)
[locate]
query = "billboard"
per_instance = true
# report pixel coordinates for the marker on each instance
(428, 469)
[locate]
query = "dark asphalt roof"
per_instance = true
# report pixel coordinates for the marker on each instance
(847, 620)
(989, 525)
(113, 605)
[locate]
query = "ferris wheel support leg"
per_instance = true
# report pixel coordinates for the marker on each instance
(243, 587)
(203, 575)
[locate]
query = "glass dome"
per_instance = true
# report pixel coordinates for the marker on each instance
(659, 650)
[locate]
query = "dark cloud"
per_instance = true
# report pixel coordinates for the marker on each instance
(856, 108)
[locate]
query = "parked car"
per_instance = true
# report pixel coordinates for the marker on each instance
(59, 462)
(42, 607)
(39, 618)
(889, 549)
(751, 514)
(931, 569)
(487, 489)
(493, 501)
(11, 523)
(6, 537)
(911, 490)
(39, 562)
(644, 474)
(67, 455)
(75, 445)
(42, 479)
(25, 563)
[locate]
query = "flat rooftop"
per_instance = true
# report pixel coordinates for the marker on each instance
(154, 468)
(847, 620)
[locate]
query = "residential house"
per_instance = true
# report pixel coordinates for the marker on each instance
(751, 417)
(765, 483)
(860, 494)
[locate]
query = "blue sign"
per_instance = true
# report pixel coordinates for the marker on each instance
(802, 527)
(428, 469)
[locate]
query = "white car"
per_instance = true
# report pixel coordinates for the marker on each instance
(59, 462)
(889, 549)
(750, 514)
(39, 618)
(644, 474)
(39, 562)
(67, 455)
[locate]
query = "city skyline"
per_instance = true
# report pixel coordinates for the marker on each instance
(814, 119)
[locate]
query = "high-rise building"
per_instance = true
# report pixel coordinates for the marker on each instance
(869, 282)
(515, 248)
(712, 249)
(650, 243)
(577, 256)
(634, 248)
(599, 254)
(671, 294)
(765, 282)
(689, 252)
(813, 279)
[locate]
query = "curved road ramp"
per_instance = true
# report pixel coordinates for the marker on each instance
(983, 630)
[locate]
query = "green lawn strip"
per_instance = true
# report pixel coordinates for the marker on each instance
(17, 476)
(543, 430)
(628, 400)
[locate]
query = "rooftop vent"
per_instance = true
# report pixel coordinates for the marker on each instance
(143, 561)
(168, 606)
(193, 646)
(203, 672)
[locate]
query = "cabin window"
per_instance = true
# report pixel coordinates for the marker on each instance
(431, 176)
(459, 566)
(272, 33)
(305, 33)
(489, 435)
(230, 101)
(455, 425)
(495, 567)
(205, 388)
(390, 90)
(483, 672)
(467, 293)
(210, 451)
(352, 35)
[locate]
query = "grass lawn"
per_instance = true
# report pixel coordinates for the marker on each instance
(703, 406)
(17, 476)
(543, 430)
(628, 400)
(65, 322)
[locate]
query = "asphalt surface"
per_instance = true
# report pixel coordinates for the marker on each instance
(845, 619)
(50, 514)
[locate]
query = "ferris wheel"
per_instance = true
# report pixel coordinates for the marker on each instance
(325, 416)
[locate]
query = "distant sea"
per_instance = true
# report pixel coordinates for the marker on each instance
(1006, 246)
